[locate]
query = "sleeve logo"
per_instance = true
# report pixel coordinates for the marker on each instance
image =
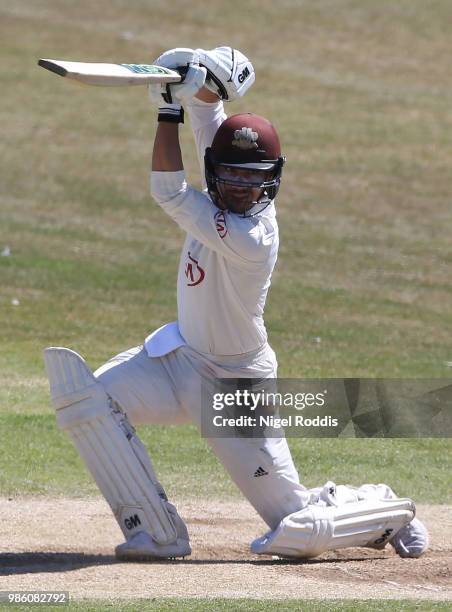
(220, 223)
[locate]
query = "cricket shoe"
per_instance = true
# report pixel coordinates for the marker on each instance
(142, 547)
(412, 540)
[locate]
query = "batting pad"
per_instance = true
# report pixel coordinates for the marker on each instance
(109, 447)
(316, 528)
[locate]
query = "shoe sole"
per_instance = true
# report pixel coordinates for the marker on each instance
(146, 558)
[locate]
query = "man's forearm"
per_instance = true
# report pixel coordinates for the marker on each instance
(167, 156)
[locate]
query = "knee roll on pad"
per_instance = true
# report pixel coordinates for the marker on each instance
(316, 528)
(110, 448)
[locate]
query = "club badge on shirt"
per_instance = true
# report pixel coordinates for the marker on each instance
(193, 271)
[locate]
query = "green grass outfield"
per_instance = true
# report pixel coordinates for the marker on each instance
(364, 116)
(358, 93)
(37, 459)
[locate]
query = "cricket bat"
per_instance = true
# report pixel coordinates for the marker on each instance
(92, 73)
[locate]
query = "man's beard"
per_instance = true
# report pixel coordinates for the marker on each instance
(237, 200)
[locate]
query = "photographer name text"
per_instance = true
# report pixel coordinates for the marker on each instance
(296, 420)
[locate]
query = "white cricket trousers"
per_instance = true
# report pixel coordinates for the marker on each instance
(167, 390)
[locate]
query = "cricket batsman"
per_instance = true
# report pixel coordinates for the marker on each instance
(226, 264)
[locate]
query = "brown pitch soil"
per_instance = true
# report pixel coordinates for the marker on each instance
(67, 544)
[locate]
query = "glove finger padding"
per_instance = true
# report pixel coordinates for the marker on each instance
(184, 60)
(229, 72)
(156, 92)
(194, 79)
(175, 58)
(171, 93)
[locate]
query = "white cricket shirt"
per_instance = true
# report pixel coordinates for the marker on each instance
(227, 260)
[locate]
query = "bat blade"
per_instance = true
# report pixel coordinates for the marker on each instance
(107, 75)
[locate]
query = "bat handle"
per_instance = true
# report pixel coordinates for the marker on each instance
(182, 70)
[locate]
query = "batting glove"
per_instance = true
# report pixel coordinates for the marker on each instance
(171, 96)
(229, 73)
